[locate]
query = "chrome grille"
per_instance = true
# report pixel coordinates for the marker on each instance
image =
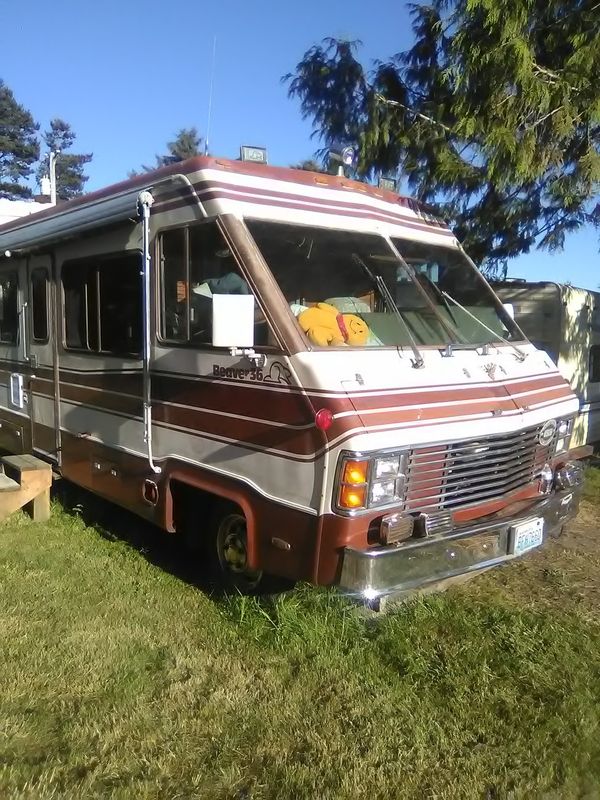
(459, 474)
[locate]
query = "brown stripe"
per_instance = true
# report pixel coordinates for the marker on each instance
(246, 432)
(286, 407)
(492, 404)
(257, 432)
(453, 394)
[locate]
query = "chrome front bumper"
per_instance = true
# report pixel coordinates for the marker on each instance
(395, 569)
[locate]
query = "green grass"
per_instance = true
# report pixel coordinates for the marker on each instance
(592, 484)
(121, 678)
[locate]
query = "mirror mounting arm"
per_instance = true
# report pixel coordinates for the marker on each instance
(259, 360)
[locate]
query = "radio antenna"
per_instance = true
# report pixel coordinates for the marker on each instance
(210, 95)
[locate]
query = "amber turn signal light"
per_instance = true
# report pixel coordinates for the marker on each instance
(355, 472)
(353, 497)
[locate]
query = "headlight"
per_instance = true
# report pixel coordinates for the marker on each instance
(563, 436)
(371, 482)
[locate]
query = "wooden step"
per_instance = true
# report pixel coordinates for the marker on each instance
(25, 483)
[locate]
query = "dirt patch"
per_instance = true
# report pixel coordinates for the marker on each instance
(565, 572)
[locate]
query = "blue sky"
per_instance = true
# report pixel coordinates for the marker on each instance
(128, 75)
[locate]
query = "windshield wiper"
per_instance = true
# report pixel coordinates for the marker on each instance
(381, 286)
(450, 329)
(520, 354)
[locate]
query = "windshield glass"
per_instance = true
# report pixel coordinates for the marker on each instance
(458, 292)
(359, 275)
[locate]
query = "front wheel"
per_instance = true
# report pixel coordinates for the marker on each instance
(229, 545)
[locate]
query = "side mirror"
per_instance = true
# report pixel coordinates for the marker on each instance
(233, 320)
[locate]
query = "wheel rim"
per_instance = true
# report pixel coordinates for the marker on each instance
(233, 552)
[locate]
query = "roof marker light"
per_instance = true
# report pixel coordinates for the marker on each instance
(323, 419)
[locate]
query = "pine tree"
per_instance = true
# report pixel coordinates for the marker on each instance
(187, 144)
(309, 165)
(70, 178)
(493, 115)
(19, 148)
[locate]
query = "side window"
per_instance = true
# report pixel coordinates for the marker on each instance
(195, 264)
(9, 314)
(173, 283)
(595, 363)
(103, 304)
(81, 331)
(120, 302)
(39, 304)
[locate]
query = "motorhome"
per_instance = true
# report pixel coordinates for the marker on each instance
(303, 374)
(565, 322)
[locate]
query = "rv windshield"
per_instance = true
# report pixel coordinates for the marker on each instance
(429, 296)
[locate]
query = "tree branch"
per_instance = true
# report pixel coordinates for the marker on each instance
(385, 100)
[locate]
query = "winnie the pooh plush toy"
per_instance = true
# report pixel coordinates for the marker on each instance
(326, 326)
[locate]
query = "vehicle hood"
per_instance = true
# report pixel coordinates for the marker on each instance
(379, 391)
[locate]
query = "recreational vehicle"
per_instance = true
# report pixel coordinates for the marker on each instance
(305, 375)
(565, 322)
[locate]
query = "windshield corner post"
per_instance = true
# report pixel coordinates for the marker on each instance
(144, 203)
(521, 356)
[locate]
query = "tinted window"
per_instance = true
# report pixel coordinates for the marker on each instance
(39, 304)
(9, 315)
(103, 304)
(429, 296)
(196, 263)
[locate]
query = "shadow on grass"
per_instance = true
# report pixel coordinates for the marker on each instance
(160, 548)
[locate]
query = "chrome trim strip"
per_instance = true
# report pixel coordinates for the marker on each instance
(458, 497)
(404, 567)
(466, 471)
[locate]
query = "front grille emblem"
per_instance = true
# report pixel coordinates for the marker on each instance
(546, 435)
(490, 370)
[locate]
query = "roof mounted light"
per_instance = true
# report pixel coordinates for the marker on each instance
(345, 156)
(386, 182)
(257, 155)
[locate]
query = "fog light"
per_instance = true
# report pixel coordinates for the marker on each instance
(569, 476)
(396, 528)
(546, 479)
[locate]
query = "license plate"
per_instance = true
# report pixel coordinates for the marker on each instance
(528, 535)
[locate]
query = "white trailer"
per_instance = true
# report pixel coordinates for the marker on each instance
(565, 322)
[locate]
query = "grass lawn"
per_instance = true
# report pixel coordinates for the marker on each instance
(121, 678)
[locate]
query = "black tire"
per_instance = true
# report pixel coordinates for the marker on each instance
(228, 545)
